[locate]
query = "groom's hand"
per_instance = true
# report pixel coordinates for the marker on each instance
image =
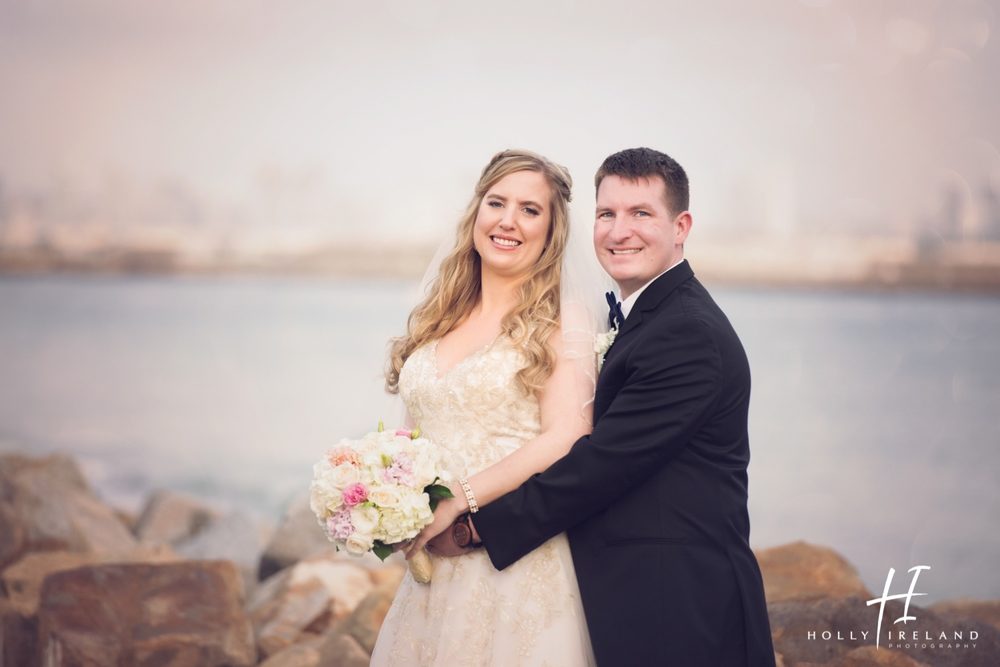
(444, 545)
(444, 516)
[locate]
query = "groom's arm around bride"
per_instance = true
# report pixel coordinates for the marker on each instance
(654, 500)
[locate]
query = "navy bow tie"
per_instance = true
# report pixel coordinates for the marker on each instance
(615, 316)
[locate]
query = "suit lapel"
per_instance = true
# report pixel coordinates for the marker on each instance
(653, 295)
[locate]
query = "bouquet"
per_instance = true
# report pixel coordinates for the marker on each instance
(371, 493)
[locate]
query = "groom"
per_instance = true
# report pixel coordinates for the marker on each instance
(654, 500)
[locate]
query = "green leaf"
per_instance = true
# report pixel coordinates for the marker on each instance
(381, 550)
(438, 491)
(381, 426)
(386, 460)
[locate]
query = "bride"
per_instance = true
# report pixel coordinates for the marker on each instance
(496, 369)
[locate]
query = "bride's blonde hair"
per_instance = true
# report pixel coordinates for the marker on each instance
(456, 290)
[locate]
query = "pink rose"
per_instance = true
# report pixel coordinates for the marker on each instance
(404, 432)
(343, 455)
(355, 493)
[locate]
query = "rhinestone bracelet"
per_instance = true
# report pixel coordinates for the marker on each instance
(473, 505)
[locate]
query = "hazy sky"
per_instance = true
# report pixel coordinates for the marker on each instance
(372, 120)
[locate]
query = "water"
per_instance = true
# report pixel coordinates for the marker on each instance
(875, 419)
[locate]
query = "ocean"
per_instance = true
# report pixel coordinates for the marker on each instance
(875, 417)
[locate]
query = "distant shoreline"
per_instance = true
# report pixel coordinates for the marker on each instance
(884, 267)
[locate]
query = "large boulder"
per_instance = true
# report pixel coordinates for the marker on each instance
(339, 649)
(170, 517)
(335, 649)
(17, 636)
(235, 537)
(45, 504)
(312, 595)
(176, 614)
(23, 580)
(305, 653)
(803, 571)
(366, 620)
(987, 611)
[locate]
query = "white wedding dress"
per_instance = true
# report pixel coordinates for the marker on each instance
(471, 614)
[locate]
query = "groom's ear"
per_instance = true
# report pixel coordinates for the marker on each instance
(682, 226)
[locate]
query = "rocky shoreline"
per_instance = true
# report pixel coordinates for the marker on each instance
(183, 584)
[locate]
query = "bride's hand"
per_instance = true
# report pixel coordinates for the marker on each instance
(447, 511)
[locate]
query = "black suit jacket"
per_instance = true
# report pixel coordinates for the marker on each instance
(654, 500)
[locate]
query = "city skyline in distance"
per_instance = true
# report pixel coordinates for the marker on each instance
(253, 130)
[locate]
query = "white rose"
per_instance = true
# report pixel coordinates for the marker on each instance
(364, 519)
(396, 526)
(323, 497)
(372, 458)
(343, 475)
(384, 496)
(414, 501)
(322, 503)
(395, 446)
(359, 543)
(425, 470)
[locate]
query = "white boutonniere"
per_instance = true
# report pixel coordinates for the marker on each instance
(602, 343)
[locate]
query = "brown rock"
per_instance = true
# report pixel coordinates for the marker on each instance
(802, 571)
(127, 518)
(304, 654)
(297, 537)
(23, 580)
(176, 614)
(309, 636)
(58, 469)
(342, 650)
(45, 505)
(169, 517)
(388, 576)
(234, 537)
(17, 636)
(792, 621)
(869, 656)
(980, 610)
(12, 532)
(310, 595)
(364, 622)
(279, 622)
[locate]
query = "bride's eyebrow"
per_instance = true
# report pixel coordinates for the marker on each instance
(525, 202)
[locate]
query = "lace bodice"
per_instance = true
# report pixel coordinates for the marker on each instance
(475, 410)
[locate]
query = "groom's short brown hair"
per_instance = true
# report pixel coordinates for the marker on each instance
(635, 163)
